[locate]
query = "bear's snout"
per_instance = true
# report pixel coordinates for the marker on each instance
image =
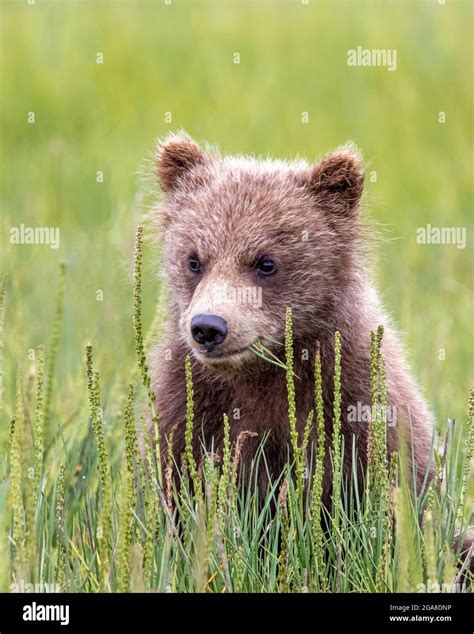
(209, 330)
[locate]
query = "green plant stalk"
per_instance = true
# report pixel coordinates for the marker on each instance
(224, 481)
(336, 434)
(104, 529)
(127, 501)
(283, 569)
(298, 453)
(131, 444)
(18, 531)
(378, 464)
(374, 399)
(212, 486)
(383, 567)
(301, 465)
(468, 454)
(318, 478)
(39, 425)
(152, 509)
(183, 495)
(140, 348)
(169, 469)
(54, 344)
(188, 436)
(60, 531)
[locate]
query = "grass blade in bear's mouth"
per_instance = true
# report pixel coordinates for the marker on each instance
(265, 353)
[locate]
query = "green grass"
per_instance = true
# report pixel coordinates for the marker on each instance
(91, 117)
(79, 517)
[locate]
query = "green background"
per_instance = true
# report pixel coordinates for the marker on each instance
(178, 59)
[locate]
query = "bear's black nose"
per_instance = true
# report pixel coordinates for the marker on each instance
(209, 330)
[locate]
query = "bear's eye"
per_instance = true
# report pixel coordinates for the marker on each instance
(193, 263)
(265, 266)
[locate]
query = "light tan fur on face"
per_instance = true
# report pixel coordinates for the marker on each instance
(226, 295)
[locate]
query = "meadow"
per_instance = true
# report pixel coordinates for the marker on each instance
(86, 91)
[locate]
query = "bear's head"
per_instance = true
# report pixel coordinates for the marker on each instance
(246, 238)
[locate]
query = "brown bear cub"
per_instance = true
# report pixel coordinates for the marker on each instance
(246, 238)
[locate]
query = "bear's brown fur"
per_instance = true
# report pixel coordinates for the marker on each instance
(227, 214)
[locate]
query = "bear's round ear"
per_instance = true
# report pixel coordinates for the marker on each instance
(176, 155)
(338, 180)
